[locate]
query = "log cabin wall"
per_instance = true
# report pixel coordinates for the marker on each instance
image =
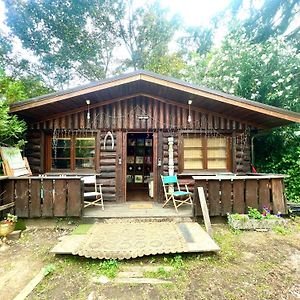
(34, 150)
(124, 115)
(166, 117)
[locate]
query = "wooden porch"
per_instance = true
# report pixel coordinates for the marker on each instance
(137, 209)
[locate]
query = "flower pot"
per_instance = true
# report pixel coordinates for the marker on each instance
(6, 228)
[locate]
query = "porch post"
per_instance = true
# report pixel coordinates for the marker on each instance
(171, 155)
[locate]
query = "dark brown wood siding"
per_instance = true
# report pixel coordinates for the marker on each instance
(163, 114)
(165, 117)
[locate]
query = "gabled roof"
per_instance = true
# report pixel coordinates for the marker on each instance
(157, 86)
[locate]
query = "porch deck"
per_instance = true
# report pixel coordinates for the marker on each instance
(137, 209)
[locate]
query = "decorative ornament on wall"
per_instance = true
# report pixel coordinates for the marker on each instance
(109, 135)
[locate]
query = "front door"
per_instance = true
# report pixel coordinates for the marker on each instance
(139, 167)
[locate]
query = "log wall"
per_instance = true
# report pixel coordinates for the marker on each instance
(124, 115)
(165, 118)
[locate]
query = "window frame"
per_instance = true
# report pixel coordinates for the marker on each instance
(72, 169)
(205, 168)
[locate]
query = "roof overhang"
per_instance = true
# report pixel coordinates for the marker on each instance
(160, 87)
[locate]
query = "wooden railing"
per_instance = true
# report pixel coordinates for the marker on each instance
(44, 196)
(233, 194)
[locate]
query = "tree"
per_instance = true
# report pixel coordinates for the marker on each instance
(147, 36)
(266, 72)
(11, 129)
(14, 89)
(197, 39)
(71, 39)
(272, 19)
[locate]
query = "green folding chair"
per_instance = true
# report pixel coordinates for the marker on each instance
(173, 193)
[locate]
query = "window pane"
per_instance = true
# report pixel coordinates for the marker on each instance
(216, 153)
(65, 143)
(218, 142)
(196, 164)
(85, 152)
(85, 142)
(217, 164)
(61, 163)
(192, 142)
(84, 163)
(61, 152)
(193, 153)
(214, 148)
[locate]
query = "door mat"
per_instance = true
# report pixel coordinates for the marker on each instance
(127, 239)
(141, 206)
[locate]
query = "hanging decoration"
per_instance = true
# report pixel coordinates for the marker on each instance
(189, 116)
(88, 115)
(109, 134)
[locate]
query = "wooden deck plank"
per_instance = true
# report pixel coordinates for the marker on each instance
(124, 210)
(279, 204)
(214, 198)
(264, 194)
(238, 197)
(251, 193)
(35, 200)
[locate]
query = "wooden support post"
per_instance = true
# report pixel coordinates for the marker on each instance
(204, 210)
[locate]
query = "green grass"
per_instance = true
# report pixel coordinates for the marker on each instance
(81, 229)
(20, 225)
(160, 273)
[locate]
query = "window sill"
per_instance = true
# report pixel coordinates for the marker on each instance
(208, 173)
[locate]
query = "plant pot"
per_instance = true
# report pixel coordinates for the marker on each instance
(245, 223)
(6, 228)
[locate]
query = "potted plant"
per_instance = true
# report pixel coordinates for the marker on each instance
(8, 225)
(256, 220)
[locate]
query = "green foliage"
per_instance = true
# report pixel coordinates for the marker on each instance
(68, 37)
(284, 158)
(49, 269)
(271, 18)
(13, 89)
(147, 36)
(160, 273)
(239, 217)
(11, 218)
(266, 72)
(254, 213)
(176, 261)
(281, 230)
(11, 129)
(109, 268)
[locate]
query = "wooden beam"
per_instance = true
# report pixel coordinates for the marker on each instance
(219, 98)
(6, 206)
(83, 91)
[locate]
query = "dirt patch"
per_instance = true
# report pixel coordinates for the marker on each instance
(23, 259)
(251, 265)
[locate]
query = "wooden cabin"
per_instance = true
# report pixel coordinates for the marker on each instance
(131, 129)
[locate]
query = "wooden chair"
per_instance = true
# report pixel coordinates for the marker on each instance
(178, 197)
(94, 197)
